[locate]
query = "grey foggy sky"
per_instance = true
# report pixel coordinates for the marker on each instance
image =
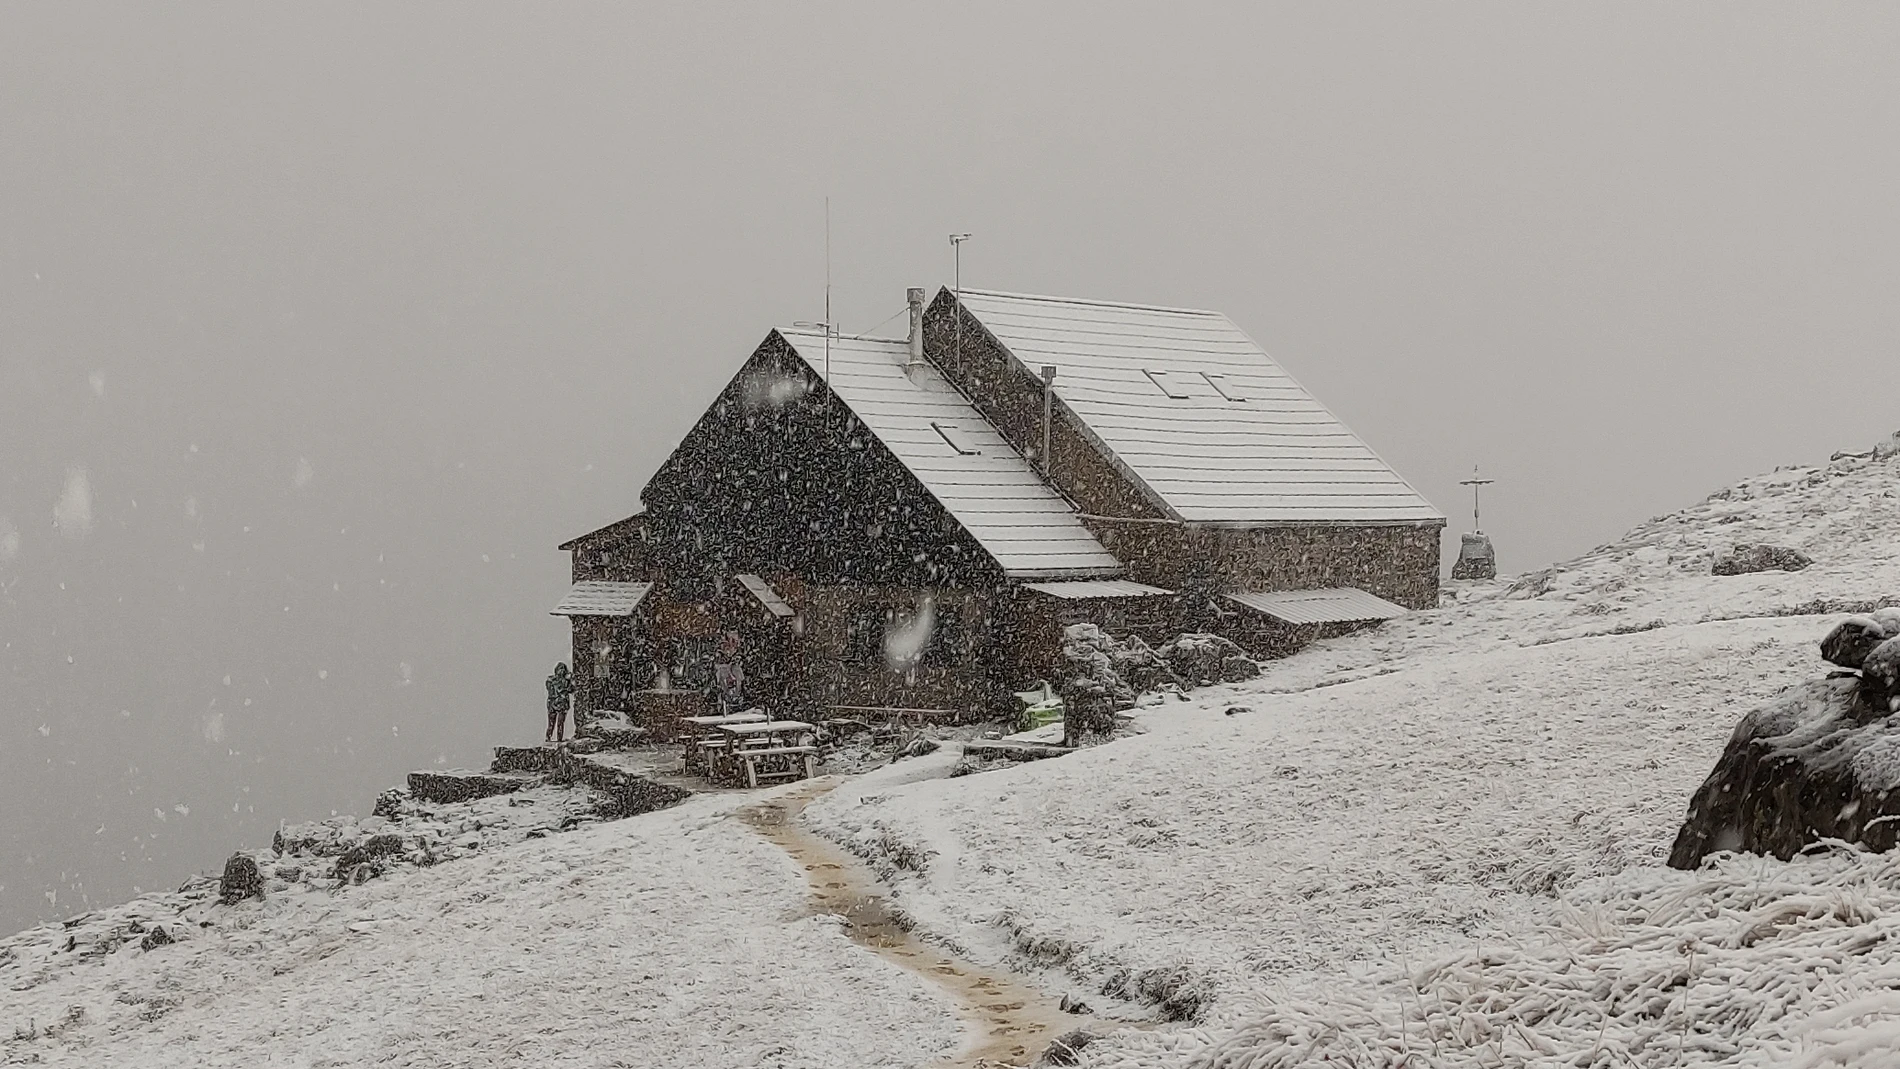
(481, 266)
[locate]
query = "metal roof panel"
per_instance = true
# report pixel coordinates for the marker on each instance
(1097, 588)
(993, 492)
(601, 597)
(1339, 605)
(1138, 377)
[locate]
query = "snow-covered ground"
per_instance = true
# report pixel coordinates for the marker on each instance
(1460, 778)
(679, 938)
(1435, 843)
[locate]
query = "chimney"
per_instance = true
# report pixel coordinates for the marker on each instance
(915, 296)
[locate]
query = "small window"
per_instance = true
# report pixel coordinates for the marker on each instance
(1170, 383)
(956, 439)
(1225, 386)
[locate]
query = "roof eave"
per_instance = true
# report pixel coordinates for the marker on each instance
(1438, 521)
(1033, 575)
(569, 545)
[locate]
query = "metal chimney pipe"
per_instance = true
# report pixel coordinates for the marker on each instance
(1048, 415)
(915, 296)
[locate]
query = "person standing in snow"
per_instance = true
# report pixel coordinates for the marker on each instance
(560, 689)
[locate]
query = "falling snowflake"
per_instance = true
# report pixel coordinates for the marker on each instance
(72, 513)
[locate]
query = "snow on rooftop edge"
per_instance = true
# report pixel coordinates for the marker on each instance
(1025, 526)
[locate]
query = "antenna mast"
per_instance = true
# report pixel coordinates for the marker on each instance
(956, 282)
(827, 300)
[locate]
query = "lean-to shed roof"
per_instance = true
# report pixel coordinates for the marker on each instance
(1194, 410)
(959, 457)
(1338, 605)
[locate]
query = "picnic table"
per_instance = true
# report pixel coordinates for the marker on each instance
(704, 746)
(767, 749)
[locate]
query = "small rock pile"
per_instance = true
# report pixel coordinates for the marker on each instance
(1101, 674)
(1748, 557)
(241, 880)
(1203, 660)
(1821, 761)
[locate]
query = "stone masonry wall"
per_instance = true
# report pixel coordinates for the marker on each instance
(1011, 399)
(957, 671)
(1397, 562)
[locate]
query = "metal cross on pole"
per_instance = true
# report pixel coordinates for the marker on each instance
(1474, 482)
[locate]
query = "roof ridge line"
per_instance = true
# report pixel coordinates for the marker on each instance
(1052, 299)
(811, 333)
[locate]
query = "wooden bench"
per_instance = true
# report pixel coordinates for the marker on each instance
(800, 762)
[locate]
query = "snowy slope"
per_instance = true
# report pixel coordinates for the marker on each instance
(1398, 796)
(1476, 797)
(678, 938)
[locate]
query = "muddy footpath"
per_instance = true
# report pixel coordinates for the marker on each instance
(1007, 1022)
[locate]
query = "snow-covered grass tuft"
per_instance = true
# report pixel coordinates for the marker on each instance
(1748, 962)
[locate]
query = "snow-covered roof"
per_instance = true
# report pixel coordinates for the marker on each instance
(1096, 588)
(601, 597)
(762, 590)
(631, 523)
(1199, 414)
(1339, 605)
(959, 457)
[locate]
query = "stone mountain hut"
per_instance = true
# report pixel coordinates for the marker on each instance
(905, 525)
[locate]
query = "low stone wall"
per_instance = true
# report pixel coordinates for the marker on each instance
(462, 785)
(540, 759)
(627, 794)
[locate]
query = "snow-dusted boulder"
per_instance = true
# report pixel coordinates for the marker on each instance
(1101, 674)
(1747, 557)
(1202, 660)
(1821, 761)
(1855, 637)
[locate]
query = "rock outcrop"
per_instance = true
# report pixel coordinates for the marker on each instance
(367, 855)
(1821, 761)
(1101, 674)
(241, 880)
(1203, 660)
(1747, 557)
